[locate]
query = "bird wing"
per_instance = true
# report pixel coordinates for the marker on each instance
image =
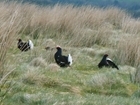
(111, 63)
(57, 59)
(61, 59)
(20, 44)
(64, 59)
(103, 62)
(25, 47)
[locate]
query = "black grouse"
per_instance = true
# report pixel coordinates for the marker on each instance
(61, 60)
(107, 62)
(25, 46)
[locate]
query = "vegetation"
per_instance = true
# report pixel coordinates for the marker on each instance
(33, 78)
(132, 6)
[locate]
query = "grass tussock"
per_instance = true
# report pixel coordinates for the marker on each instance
(53, 67)
(36, 78)
(109, 83)
(38, 62)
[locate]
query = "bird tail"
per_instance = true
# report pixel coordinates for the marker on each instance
(70, 59)
(31, 44)
(111, 63)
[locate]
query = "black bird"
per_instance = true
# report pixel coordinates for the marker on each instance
(25, 46)
(61, 60)
(107, 62)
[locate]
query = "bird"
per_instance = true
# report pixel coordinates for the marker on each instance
(107, 62)
(62, 60)
(25, 46)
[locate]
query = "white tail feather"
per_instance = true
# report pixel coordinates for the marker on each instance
(70, 59)
(31, 44)
(109, 59)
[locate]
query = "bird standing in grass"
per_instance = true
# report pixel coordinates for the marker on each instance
(25, 46)
(61, 60)
(107, 62)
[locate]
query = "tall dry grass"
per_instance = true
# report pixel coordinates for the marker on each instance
(131, 26)
(9, 29)
(82, 26)
(129, 51)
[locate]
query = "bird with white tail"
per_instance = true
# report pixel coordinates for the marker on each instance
(61, 60)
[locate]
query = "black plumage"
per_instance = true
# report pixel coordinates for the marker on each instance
(61, 60)
(107, 62)
(24, 46)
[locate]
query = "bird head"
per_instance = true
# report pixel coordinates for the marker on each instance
(19, 40)
(58, 47)
(106, 55)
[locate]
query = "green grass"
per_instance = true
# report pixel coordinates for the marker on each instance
(81, 84)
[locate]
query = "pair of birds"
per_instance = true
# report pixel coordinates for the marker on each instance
(65, 61)
(61, 60)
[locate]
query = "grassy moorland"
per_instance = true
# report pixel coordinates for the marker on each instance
(33, 78)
